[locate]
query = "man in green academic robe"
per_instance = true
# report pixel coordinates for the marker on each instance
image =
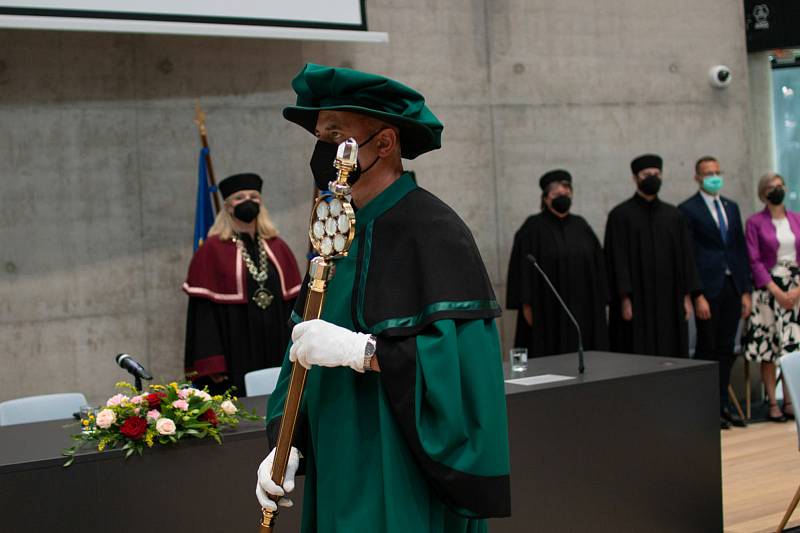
(403, 423)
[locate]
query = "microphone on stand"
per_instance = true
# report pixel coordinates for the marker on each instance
(126, 362)
(581, 367)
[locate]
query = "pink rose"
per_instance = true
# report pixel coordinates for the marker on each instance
(138, 399)
(181, 404)
(117, 399)
(165, 426)
(153, 414)
(137, 410)
(105, 418)
(228, 407)
(183, 394)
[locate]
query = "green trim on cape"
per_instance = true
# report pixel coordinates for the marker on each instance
(411, 321)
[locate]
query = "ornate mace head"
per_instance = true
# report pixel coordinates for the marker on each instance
(333, 221)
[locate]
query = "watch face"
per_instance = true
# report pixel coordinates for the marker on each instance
(369, 349)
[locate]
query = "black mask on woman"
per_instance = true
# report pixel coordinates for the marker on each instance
(561, 204)
(246, 211)
(775, 196)
(650, 185)
(322, 163)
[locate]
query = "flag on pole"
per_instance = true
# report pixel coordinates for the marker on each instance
(204, 212)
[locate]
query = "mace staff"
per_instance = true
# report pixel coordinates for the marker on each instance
(200, 120)
(332, 229)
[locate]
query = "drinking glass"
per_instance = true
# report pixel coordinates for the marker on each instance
(519, 359)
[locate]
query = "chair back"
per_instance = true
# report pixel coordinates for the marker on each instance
(790, 371)
(40, 408)
(262, 381)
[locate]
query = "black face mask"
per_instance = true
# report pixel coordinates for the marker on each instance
(650, 185)
(775, 196)
(246, 211)
(322, 163)
(561, 204)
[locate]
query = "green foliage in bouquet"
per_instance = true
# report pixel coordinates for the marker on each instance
(165, 414)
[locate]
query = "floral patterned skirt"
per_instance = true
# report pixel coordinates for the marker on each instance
(772, 330)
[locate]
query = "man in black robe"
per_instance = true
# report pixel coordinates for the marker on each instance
(651, 269)
(569, 252)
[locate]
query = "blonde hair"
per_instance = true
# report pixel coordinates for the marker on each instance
(224, 229)
(764, 182)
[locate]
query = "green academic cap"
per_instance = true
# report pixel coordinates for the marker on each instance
(342, 89)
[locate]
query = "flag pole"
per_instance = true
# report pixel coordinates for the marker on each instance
(200, 120)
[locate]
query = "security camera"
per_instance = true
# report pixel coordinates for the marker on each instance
(720, 76)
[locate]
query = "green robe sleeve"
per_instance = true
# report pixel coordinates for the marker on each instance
(445, 387)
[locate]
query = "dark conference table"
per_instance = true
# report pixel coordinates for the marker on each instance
(633, 445)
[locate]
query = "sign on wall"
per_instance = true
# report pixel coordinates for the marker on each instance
(771, 24)
(248, 18)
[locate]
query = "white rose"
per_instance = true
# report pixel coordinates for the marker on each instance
(228, 407)
(105, 418)
(202, 394)
(165, 426)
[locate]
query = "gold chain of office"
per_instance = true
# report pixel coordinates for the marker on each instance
(262, 297)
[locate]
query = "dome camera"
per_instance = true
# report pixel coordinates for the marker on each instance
(720, 76)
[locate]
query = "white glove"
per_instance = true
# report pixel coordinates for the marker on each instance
(317, 342)
(265, 486)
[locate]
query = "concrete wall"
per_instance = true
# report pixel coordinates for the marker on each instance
(99, 150)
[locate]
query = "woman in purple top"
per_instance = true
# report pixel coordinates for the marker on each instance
(773, 244)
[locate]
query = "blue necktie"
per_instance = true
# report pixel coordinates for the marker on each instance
(723, 228)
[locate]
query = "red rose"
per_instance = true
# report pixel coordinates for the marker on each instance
(209, 416)
(155, 398)
(134, 427)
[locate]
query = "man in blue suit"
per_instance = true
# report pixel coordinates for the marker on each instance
(720, 252)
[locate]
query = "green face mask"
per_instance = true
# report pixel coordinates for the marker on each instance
(713, 184)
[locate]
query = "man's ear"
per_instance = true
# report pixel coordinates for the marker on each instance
(387, 141)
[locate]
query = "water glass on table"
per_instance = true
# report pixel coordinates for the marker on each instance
(519, 359)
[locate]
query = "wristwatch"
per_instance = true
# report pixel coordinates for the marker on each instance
(369, 352)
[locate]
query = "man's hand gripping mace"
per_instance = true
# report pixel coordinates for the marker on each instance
(332, 229)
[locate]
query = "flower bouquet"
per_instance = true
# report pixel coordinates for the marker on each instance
(163, 415)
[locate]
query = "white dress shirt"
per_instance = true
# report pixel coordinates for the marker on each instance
(713, 210)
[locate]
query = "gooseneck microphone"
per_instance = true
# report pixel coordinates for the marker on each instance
(581, 367)
(126, 362)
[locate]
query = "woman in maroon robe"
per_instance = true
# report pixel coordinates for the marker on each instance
(242, 284)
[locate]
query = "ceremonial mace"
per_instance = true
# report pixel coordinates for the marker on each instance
(332, 229)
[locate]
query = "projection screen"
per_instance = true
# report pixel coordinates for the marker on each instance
(304, 19)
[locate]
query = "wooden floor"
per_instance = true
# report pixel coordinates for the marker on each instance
(760, 474)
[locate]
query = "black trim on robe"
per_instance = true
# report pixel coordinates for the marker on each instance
(426, 255)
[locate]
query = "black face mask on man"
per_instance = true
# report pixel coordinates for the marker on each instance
(650, 185)
(246, 211)
(322, 163)
(561, 204)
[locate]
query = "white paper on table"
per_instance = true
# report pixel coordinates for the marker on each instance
(538, 380)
